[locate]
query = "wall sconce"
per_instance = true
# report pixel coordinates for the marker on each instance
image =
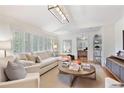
(58, 13)
(5, 45)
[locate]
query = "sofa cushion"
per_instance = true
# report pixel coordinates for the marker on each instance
(26, 62)
(48, 61)
(43, 55)
(30, 57)
(15, 71)
(48, 54)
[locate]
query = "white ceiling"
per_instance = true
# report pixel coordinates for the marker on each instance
(79, 16)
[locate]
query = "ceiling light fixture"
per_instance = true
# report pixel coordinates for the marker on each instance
(58, 13)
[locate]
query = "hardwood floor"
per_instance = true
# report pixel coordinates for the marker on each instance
(53, 79)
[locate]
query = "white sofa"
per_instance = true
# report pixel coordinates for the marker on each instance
(47, 63)
(32, 80)
(112, 83)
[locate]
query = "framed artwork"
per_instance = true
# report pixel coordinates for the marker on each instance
(67, 46)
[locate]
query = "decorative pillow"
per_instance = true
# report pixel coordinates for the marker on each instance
(22, 57)
(30, 57)
(38, 59)
(120, 53)
(15, 71)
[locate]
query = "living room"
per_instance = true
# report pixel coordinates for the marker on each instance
(38, 49)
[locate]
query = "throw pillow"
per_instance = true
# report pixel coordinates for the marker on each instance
(15, 71)
(122, 54)
(21, 57)
(38, 59)
(30, 57)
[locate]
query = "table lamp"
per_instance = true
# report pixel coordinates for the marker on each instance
(5, 45)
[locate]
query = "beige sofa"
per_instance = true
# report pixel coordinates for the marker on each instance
(32, 80)
(47, 63)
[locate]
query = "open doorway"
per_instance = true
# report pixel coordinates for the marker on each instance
(82, 49)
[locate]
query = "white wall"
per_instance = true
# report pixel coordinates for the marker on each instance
(112, 38)
(119, 27)
(108, 41)
(5, 33)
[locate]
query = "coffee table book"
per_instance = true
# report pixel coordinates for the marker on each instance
(74, 67)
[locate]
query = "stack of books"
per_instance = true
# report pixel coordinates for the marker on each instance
(74, 67)
(86, 66)
(65, 64)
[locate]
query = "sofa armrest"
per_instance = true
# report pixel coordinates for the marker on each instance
(111, 83)
(33, 69)
(32, 80)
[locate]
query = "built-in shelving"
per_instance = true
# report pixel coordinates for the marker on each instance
(97, 48)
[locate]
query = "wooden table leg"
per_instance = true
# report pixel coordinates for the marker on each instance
(73, 80)
(95, 75)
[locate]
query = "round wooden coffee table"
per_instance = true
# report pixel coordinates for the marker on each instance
(81, 73)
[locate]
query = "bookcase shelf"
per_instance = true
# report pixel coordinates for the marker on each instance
(97, 48)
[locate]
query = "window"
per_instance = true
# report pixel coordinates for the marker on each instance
(67, 46)
(26, 42)
(40, 44)
(35, 43)
(18, 42)
(49, 44)
(45, 43)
